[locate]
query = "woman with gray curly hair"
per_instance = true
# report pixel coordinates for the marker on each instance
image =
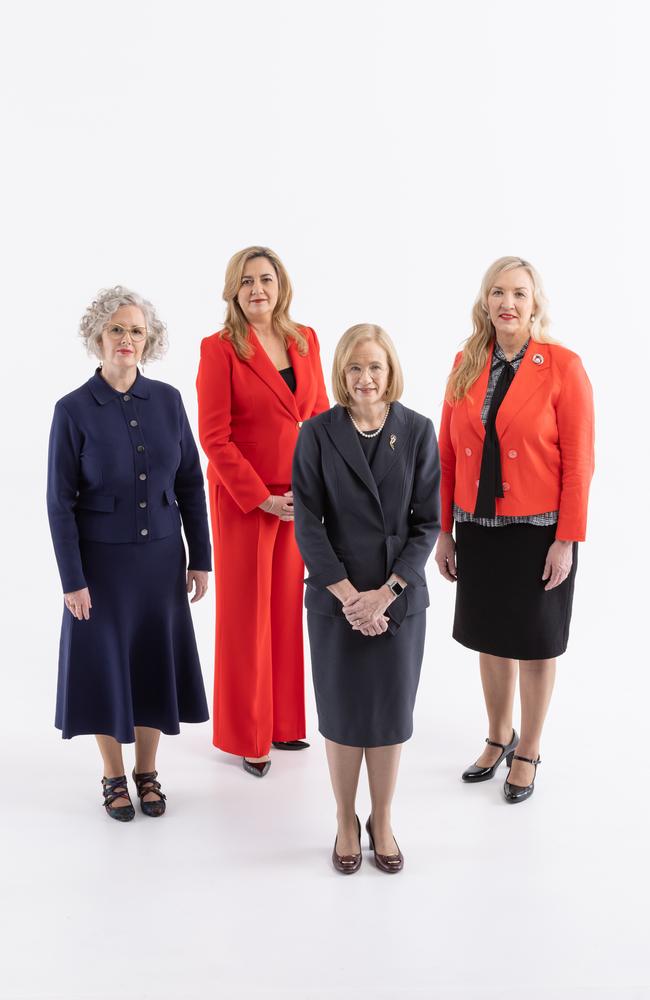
(123, 475)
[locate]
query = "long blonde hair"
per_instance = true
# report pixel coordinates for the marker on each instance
(479, 344)
(236, 324)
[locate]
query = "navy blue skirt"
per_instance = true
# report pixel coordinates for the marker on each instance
(365, 686)
(135, 662)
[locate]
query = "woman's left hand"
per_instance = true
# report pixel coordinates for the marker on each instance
(197, 579)
(558, 563)
(367, 607)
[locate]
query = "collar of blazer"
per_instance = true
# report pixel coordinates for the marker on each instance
(264, 368)
(531, 376)
(346, 441)
(104, 393)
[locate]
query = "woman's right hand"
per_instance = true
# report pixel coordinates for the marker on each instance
(446, 556)
(78, 603)
(378, 627)
(281, 507)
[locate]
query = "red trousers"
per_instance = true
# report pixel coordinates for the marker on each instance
(259, 681)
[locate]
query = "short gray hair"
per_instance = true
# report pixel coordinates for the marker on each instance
(107, 302)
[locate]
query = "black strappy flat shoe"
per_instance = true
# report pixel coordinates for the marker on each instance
(517, 793)
(116, 788)
(145, 783)
(479, 772)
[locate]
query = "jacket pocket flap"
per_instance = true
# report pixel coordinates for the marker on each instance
(170, 496)
(95, 501)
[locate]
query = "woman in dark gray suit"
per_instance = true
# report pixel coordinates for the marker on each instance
(365, 484)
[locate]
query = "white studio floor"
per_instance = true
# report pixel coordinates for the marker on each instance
(232, 894)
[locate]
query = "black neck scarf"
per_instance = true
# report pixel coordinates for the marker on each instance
(490, 484)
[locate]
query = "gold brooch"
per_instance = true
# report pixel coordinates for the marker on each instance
(392, 441)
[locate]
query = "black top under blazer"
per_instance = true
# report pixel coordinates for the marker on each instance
(351, 522)
(123, 467)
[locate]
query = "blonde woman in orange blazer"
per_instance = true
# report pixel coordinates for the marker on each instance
(517, 456)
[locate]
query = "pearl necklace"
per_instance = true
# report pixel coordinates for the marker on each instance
(374, 433)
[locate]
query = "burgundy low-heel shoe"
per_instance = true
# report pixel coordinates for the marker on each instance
(389, 863)
(347, 864)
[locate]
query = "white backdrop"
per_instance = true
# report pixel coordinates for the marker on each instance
(388, 152)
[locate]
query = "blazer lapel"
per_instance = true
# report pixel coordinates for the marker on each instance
(301, 369)
(392, 443)
(264, 368)
(476, 397)
(346, 442)
(530, 377)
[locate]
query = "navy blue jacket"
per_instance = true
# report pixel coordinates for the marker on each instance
(123, 467)
(361, 524)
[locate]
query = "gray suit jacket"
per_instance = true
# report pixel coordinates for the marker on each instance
(361, 524)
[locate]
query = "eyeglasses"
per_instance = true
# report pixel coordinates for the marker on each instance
(137, 333)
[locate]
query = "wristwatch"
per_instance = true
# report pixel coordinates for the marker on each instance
(395, 588)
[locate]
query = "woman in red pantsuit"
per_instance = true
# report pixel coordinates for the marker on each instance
(259, 379)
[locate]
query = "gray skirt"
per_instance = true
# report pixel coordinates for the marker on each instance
(365, 686)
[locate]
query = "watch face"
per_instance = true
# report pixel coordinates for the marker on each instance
(397, 588)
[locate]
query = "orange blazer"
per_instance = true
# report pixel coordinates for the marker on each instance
(248, 417)
(546, 433)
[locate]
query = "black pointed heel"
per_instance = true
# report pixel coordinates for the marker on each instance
(116, 788)
(517, 793)
(479, 772)
(146, 782)
(291, 745)
(257, 768)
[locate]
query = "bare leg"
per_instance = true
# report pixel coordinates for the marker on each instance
(146, 746)
(498, 677)
(344, 764)
(111, 752)
(536, 680)
(383, 765)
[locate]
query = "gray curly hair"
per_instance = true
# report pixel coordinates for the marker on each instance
(107, 302)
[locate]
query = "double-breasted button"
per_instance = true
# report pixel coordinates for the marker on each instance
(134, 423)
(143, 504)
(506, 487)
(144, 531)
(513, 453)
(142, 476)
(468, 452)
(140, 448)
(126, 398)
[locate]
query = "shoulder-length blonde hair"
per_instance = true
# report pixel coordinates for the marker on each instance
(236, 324)
(479, 344)
(344, 350)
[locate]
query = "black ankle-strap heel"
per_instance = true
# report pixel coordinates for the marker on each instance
(481, 772)
(145, 782)
(517, 793)
(116, 788)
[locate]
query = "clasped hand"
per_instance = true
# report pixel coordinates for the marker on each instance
(365, 611)
(281, 507)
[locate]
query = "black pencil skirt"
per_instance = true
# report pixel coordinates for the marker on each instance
(501, 605)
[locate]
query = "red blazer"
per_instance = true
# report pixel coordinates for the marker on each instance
(248, 417)
(546, 433)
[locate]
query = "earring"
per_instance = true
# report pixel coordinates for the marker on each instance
(532, 319)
